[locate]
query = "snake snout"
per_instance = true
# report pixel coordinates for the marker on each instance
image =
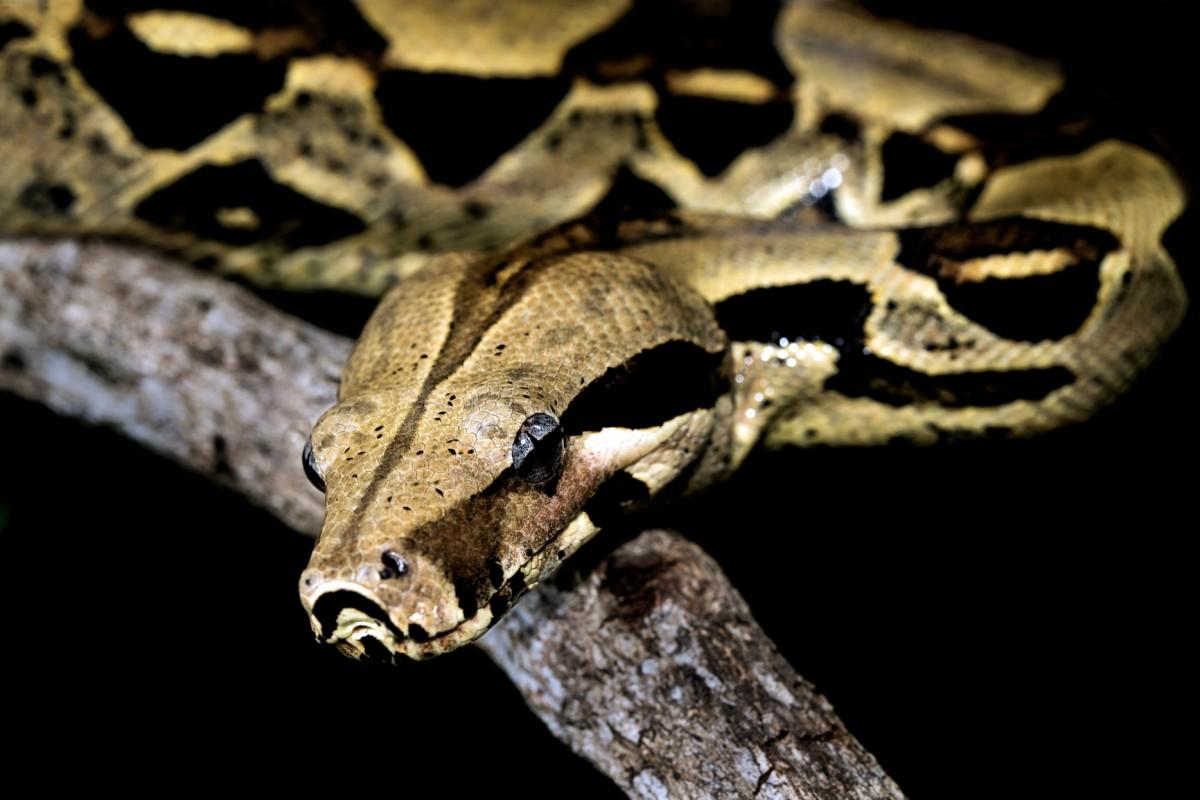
(356, 624)
(389, 601)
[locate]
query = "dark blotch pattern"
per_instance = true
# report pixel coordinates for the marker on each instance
(467, 600)
(831, 311)
(842, 126)
(1029, 309)
(516, 585)
(712, 133)
(616, 497)
(12, 30)
(458, 125)
(1070, 123)
(652, 387)
(934, 250)
(495, 573)
(194, 201)
(661, 36)
(654, 38)
(171, 101)
(834, 312)
(338, 312)
(909, 163)
(630, 197)
(881, 380)
(499, 605)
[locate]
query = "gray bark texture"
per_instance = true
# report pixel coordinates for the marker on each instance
(188, 365)
(651, 667)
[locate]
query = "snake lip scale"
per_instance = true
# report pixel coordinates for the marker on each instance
(614, 258)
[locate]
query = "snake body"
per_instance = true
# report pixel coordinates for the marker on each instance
(599, 299)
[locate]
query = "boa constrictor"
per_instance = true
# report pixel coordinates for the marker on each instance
(629, 242)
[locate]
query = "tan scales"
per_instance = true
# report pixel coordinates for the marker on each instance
(513, 299)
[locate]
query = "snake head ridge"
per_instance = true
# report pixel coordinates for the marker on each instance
(493, 414)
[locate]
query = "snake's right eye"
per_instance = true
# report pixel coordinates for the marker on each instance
(310, 467)
(538, 450)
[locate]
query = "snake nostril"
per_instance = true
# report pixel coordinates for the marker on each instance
(394, 565)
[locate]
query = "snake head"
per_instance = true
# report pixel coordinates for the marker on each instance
(493, 415)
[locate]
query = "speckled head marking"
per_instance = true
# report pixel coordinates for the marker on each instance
(472, 432)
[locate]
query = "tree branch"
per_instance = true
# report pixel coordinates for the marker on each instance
(651, 667)
(186, 364)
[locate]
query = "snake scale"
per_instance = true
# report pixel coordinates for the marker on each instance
(626, 243)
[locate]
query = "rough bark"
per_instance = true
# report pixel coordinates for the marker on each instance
(651, 667)
(189, 365)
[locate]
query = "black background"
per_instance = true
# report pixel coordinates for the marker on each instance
(999, 618)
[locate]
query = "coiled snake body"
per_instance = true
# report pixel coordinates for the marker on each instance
(600, 298)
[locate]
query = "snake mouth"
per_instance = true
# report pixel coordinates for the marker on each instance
(357, 626)
(360, 628)
(350, 617)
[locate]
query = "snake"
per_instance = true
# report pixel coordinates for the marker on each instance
(620, 246)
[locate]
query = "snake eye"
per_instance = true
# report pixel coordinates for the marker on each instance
(310, 467)
(537, 452)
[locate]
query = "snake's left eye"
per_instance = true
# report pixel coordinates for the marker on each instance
(538, 450)
(310, 467)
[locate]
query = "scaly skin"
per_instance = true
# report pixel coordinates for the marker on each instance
(913, 239)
